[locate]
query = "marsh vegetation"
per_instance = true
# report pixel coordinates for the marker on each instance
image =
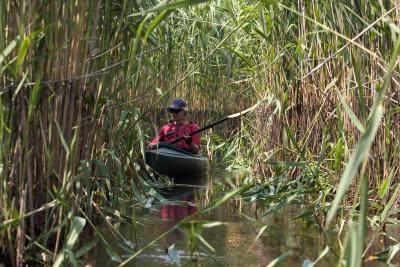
(84, 85)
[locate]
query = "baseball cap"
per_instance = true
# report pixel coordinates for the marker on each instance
(177, 104)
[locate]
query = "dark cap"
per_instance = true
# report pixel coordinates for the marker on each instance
(178, 103)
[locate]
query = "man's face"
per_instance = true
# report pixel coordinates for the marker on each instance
(178, 115)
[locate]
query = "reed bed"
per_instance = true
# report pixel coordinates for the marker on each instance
(80, 81)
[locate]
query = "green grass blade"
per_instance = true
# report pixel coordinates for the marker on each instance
(392, 252)
(165, 6)
(339, 151)
(351, 114)
(23, 50)
(361, 93)
(389, 205)
(34, 99)
(205, 243)
(77, 226)
(279, 259)
(20, 84)
(85, 248)
(321, 255)
(383, 188)
(63, 141)
(388, 76)
(10, 47)
(156, 22)
(352, 255)
(216, 203)
(362, 220)
(360, 153)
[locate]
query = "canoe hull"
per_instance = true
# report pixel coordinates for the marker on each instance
(174, 162)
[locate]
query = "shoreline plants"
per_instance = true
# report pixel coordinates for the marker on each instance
(81, 83)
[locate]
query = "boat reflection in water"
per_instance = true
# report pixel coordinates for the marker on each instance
(182, 197)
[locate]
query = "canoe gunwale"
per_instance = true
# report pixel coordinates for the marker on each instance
(177, 149)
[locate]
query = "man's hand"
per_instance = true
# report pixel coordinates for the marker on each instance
(188, 139)
(153, 146)
(150, 147)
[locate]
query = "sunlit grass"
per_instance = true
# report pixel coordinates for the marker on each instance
(78, 81)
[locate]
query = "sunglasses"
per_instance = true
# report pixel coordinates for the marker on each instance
(171, 110)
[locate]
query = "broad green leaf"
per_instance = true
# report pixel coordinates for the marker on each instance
(77, 226)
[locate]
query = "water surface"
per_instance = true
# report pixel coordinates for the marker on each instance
(235, 242)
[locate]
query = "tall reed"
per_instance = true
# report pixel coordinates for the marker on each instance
(80, 80)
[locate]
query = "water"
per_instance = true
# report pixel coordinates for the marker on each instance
(235, 242)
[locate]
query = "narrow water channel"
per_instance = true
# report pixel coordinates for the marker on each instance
(234, 242)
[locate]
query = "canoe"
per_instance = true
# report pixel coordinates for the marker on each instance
(175, 162)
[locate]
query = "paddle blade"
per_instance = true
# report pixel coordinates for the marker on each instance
(246, 110)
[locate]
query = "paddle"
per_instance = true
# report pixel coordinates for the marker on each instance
(218, 122)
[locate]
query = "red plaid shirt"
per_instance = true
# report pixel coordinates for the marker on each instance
(173, 131)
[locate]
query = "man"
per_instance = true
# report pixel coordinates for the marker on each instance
(178, 127)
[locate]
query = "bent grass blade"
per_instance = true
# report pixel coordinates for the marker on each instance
(359, 155)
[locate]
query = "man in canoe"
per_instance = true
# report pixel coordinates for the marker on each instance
(178, 127)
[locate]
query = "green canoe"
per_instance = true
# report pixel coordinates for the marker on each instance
(175, 162)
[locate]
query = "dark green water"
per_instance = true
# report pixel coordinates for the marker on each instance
(234, 243)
